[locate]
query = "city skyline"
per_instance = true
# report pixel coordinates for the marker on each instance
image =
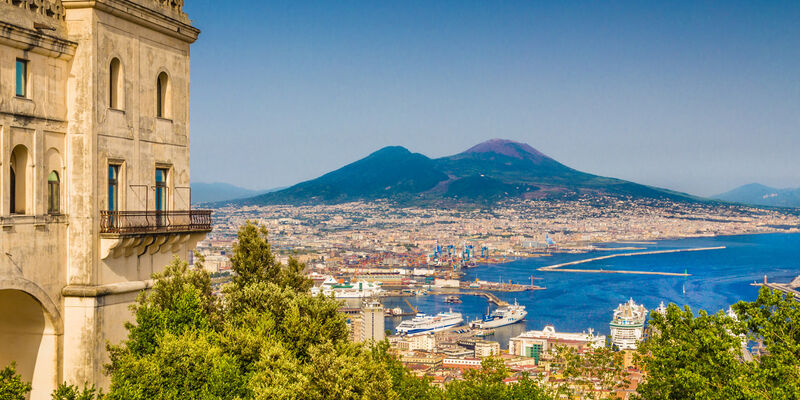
(685, 96)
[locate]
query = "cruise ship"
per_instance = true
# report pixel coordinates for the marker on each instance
(351, 290)
(429, 323)
(627, 326)
(501, 317)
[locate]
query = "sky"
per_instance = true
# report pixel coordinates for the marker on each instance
(694, 96)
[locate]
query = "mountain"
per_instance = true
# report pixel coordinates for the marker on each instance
(761, 195)
(488, 172)
(213, 192)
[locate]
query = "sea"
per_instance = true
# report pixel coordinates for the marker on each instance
(577, 302)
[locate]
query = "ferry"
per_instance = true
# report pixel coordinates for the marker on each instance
(345, 290)
(429, 323)
(501, 317)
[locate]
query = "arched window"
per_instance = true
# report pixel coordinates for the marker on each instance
(115, 85)
(162, 95)
(54, 193)
(18, 182)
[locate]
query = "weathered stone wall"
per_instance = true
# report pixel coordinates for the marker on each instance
(75, 288)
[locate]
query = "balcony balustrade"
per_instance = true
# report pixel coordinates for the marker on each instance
(154, 222)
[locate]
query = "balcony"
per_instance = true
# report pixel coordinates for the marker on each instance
(124, 233)
(148, 222)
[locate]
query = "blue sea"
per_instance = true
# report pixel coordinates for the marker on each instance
(575, 302)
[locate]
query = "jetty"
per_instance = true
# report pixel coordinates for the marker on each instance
(786, 288)
(560, 267)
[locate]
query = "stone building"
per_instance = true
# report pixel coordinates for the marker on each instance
(94, 175)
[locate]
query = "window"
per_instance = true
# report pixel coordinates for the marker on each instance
(22, 77)
(161, 189)
(162, 95)
(113, 187)
(54, 192)
(115, 85)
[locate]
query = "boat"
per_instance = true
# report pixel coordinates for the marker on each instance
(627, 325)
(353, 290)
(422, 323)
(483, 332)
(501, 317)
(452, 300)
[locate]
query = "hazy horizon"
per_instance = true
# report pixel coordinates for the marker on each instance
(690, 96)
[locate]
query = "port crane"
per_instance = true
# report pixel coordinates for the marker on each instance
(414, 309)
(484, 252)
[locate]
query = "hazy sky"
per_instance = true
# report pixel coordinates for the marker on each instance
(694, 96)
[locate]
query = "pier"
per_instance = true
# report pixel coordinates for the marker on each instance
(559, 267)
(785, 288)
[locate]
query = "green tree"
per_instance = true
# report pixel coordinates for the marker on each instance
(774, 320)
(692, 357)
(12, 387)
(591, 375)
(488, 382)
(70, 392)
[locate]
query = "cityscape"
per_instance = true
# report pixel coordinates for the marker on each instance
(652, 254)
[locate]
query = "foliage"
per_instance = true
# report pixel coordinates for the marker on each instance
(590, 375)
(12, 387)
(267, 338)
(488, 383)
(704, 356)
(772, 320)
(70, 392)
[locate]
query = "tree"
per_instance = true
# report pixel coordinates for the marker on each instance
(488, 382)
(12, 387)
(692, 357)
(70, 392)
(267, 338)
(591, 375)
(773, 319)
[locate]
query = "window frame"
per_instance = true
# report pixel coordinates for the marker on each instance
(21, 88)
(53, 202)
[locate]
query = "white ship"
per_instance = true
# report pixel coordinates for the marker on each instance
(352, 290)
(627, 327)
(501, 317)
(429, 323)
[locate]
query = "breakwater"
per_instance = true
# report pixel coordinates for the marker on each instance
(560, 267)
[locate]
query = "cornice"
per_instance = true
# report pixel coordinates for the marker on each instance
(35, 41)
(141, 15)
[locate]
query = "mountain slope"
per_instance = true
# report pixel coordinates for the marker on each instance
(488, 172)
(761, 195)
(387, 173)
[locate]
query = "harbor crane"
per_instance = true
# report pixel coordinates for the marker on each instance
(414, 309)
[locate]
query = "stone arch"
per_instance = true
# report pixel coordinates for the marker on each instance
(30, 330)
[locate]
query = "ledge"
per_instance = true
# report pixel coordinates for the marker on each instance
(105, 290)
(140, 15)
(35, 41)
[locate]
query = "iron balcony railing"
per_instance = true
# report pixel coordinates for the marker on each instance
(142, 222)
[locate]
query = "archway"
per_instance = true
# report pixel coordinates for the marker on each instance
(28, 337)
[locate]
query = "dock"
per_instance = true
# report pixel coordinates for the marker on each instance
(559, 267)
(787, 289)
(489, 296)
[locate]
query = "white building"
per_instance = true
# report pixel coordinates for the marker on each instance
(627, 327)
(536, 343)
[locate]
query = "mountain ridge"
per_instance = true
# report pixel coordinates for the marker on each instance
(762, 195)
(486, 173)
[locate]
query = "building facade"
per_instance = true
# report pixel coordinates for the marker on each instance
(372, 322)
(541, 344)
(94, 181)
